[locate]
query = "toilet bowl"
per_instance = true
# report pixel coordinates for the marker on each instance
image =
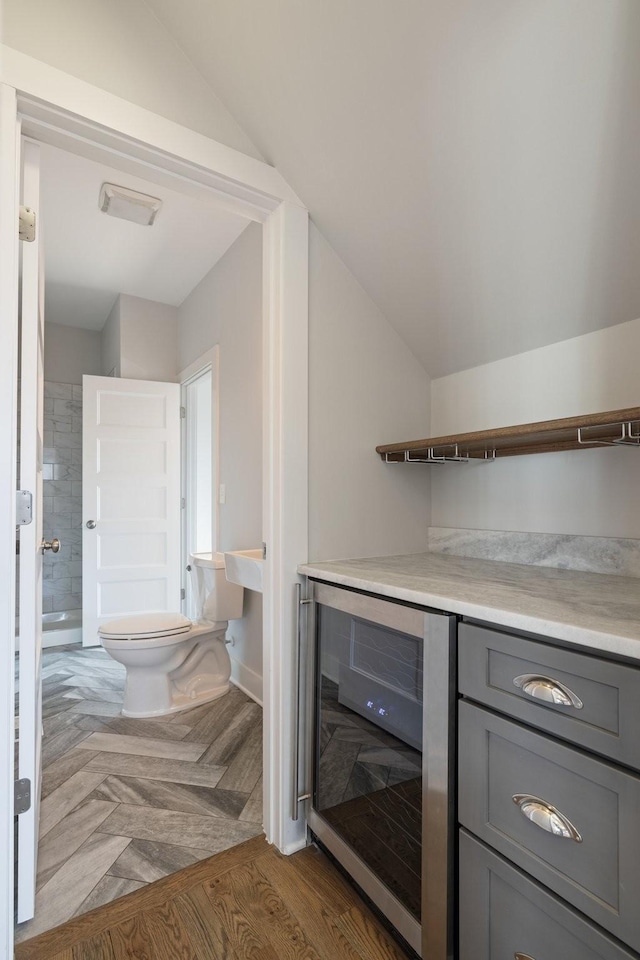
(174, 663)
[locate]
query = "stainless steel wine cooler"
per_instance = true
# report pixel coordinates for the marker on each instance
(380, 714)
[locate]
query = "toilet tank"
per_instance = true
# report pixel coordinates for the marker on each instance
(216, 599)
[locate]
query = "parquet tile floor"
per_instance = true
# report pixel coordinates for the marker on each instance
(247, 903)
(127, 802)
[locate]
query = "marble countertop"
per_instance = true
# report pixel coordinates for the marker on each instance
(594, 610)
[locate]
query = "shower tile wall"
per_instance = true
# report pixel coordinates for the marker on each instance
(62, 473)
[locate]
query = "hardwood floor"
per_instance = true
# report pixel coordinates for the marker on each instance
(126, 802)
(247, 903)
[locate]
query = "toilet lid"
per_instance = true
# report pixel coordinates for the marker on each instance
(145, 626)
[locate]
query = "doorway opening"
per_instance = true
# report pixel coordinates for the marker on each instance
(126, 801)
(200, 459)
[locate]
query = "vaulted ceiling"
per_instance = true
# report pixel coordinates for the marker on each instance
(476, 163)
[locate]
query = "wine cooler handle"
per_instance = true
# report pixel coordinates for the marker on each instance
(296, 798)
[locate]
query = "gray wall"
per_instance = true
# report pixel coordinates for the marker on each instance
(365, 388)
(589, 492)
(226, 309)
(69, 352)
(139, 340)
(110, 343)
(148, 339)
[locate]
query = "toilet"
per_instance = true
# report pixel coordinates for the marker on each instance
(174, 663)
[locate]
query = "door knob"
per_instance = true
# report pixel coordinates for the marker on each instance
(90, 524)
(53, 545)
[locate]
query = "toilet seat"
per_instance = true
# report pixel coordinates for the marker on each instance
(146, 626)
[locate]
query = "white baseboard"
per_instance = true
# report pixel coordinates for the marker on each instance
(296, 845)
(246, 680)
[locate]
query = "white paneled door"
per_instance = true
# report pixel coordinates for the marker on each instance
(131, 500)
(29, 713)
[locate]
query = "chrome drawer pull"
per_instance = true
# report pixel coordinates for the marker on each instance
(522, 956)
(543, 815)
(547, 689)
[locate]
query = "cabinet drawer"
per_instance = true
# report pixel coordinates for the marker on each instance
(598, 870)
(606, 717)
(503, 914)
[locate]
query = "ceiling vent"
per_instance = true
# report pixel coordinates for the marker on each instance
(129, 204)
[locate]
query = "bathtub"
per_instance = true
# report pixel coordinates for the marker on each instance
(61, 628)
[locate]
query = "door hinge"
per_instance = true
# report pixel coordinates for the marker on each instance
(21, 796)
(183, 413)
(24, 507)
(183, 503)
(27, 224)
(183, 594)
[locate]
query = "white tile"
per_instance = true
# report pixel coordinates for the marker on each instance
(57, 455)
(58, 424)
(57, 488)
(70, 601)
(56, 588)
(63, 409)
(73, 440)
(63, 391)
(53, 524)
(64, 504)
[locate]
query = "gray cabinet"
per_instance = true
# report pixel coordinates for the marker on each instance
(550, 790)
(587, 700)
(569, 819)
(504, 914)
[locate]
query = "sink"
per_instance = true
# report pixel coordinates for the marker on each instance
(245, 567)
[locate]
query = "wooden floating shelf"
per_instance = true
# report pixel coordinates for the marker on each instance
(614, 428)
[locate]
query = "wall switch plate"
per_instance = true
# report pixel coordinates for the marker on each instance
(222, 497)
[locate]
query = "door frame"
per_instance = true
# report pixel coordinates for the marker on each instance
(9, 200)
(208, 362)
(30, 536)
(62, 110)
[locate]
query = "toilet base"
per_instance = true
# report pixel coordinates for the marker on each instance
(180, 702)
(192, 669)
